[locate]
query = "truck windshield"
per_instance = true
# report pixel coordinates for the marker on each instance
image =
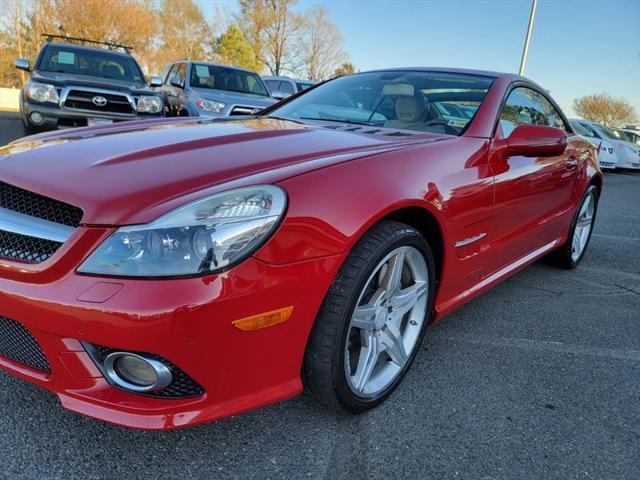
(230, 79)
(93, 63)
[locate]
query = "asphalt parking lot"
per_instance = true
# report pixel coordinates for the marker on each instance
(537, 379)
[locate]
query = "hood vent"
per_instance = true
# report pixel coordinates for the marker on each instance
(385, 132)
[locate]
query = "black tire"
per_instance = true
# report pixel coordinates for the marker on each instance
(324, 363)
(562, 257)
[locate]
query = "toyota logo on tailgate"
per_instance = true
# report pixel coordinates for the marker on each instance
(99, 101)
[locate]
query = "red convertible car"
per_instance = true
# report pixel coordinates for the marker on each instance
(160, 274)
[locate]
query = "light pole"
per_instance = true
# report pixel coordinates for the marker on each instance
(528, 38)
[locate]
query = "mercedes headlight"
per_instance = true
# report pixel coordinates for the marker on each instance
(42, 92)
(202, 237)
(149, 104)
(210, 105)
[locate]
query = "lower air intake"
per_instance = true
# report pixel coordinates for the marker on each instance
(18, 344)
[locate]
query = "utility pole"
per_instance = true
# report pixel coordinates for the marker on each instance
(528, 38)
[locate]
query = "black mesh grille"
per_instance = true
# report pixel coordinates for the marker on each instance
(26, 248)
(17, 343)
(34, 205)
(182, 385)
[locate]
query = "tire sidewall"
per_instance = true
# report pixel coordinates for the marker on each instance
(350, 400)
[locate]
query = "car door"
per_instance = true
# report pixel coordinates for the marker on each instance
(175, 93)
(532, 194)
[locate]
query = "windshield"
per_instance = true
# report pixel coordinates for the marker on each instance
(94, 63)
(230, 79)
(609, 133)
(409, 100)
(584, 130)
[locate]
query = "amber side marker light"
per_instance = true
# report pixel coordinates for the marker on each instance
(263, 320)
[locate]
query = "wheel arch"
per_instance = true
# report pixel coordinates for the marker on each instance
(426, 223)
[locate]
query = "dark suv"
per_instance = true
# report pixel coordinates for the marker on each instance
(74, 85)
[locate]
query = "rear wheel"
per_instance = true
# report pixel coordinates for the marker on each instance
(372, 320)
(572, 252)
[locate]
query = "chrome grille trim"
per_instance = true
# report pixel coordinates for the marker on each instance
(129, 99)
(22, 224)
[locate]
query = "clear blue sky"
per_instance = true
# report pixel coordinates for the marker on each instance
(578, 47)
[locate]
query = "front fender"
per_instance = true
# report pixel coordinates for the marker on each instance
(331, 208)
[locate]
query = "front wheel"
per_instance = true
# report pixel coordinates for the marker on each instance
(372, 320)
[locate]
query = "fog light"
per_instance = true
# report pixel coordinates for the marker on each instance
(137, 373)
(36, 118)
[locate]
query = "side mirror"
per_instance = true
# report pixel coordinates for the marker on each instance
(22, 64)
(155, 82)
(280, 95)
(176, 82)
(536, 141)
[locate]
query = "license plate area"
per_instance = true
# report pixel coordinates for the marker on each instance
(94, 122)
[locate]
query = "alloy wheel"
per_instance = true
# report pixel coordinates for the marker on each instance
(386, 323)
(584, 224)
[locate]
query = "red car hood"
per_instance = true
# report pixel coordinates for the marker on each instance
(132, 172)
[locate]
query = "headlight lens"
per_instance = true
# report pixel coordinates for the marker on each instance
(149, 104)
(210, 105)
(202, 237)
(42, 92)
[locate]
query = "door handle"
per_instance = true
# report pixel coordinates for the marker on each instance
(571, 163)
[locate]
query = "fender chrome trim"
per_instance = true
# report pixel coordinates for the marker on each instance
(470, 240)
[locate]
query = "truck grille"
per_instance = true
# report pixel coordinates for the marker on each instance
(18, 344)
(20, 245)
(83, 100)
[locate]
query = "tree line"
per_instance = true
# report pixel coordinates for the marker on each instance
(266, 36)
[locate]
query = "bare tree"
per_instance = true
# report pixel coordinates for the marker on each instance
(321, 44)
(605, 109)
(271, 28)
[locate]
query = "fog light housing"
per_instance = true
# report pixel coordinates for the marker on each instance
(36, 118)
(136, 373)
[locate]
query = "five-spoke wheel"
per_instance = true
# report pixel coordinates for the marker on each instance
(372, 320)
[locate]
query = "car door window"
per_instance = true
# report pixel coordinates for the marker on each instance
(172, 73)
(526, 106)
(182, 72)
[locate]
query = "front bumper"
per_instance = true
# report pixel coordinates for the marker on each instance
(186, 321)
(56, 117)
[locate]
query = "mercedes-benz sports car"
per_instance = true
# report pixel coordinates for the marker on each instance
(159, 274)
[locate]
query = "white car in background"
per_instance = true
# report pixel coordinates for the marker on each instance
(282, 87)
(627, 154)
(606, 155)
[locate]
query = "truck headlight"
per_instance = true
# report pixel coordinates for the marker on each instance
(210, 105)
(149, 104)
(202, 237)
(42, 92)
